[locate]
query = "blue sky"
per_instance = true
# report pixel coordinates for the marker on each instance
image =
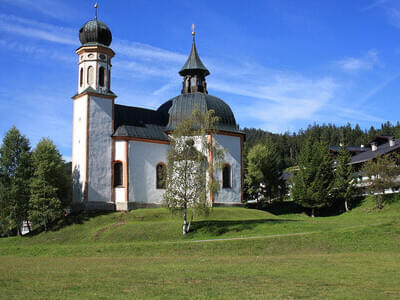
(280, 65)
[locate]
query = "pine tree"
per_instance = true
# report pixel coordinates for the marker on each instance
(314, 180)
(344, 186)
(15, 174)
(263, 178)
(188, 182)
(49, 184)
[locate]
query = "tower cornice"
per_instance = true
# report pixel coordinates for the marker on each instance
(95, 48)
(92, 92)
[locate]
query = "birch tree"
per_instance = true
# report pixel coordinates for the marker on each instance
(190, 179)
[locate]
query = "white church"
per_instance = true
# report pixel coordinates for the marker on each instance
(119, 152)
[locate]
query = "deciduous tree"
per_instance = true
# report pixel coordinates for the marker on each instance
(263, 178)
(189, 175)
(382, 173)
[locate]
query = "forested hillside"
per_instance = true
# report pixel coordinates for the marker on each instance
(288, 145)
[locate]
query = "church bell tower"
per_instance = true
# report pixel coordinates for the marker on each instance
(93, 119)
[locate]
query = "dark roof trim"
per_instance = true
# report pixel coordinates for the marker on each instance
(369, 155)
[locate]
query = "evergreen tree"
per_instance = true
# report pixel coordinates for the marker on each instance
(314, 180)
(263, 178)
(15, 174)
(49, 184)
(188, 182)
(344, 187)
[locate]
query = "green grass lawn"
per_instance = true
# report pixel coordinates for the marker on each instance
(142, 254)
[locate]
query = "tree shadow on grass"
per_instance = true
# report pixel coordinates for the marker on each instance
(68, 220)
(217, 228)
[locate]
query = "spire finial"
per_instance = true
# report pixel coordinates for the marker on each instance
(95, 11)
(193, 32)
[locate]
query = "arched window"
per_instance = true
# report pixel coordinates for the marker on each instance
(101, 76)
(118, 174)
(226, 177)
(90, 76)
(81, 78)
(161, 176)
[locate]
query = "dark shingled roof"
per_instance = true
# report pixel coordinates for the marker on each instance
(183, 105)
(368, 155)
(140, 122)
(194, 63)
(349, 148)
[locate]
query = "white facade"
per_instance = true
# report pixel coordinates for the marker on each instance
(143, 160)
(232, 157)
(120, 172)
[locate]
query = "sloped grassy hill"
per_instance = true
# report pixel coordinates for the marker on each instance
(142, 254)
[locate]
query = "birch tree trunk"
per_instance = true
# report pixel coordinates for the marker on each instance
(346, 206)
(379, 201)
(184, 222)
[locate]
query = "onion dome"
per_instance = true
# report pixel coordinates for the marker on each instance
(95, 32)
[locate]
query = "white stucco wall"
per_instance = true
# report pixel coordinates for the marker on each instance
(143, 159)
(100, 130)
(79, 148)
(119, 194)
(120, 149)
(232, 157)
(120, 155)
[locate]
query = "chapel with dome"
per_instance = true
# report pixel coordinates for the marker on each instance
(119, 152)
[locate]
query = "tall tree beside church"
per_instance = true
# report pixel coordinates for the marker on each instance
(15, 174)
(189, 176)
(344, 187)
(49, 184)
(314, 180)
(382, 174)
(263, 177)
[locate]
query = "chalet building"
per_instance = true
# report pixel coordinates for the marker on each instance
(119, 152)
(380, 145)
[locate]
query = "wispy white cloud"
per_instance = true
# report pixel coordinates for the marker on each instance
(374, 4)
(353, 64)
(37, 30)
(345, 113)
(40, 113)
(391, 9)
(285, 99)
(146, 52)
(376, 89)
(272, 99)
(56, 9)
(36, 51)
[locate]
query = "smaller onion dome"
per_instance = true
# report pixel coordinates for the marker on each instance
(95, 32)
